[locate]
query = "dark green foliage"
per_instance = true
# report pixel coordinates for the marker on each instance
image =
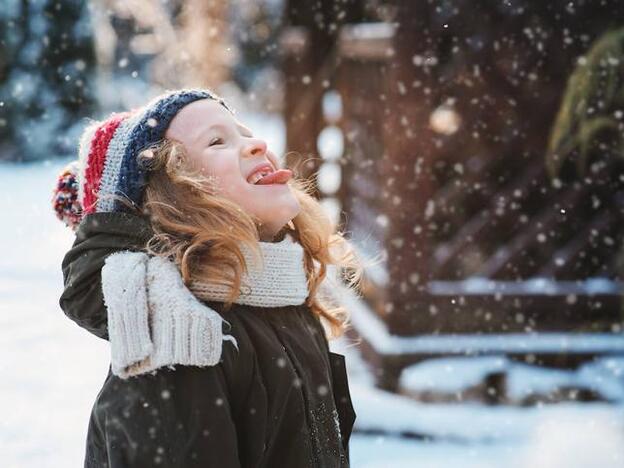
(592, 108)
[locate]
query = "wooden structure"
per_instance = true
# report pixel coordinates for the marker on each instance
(445, 117)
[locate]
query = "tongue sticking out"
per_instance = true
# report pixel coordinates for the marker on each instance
(280, 176)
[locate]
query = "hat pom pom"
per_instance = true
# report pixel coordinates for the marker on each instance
(65, 196)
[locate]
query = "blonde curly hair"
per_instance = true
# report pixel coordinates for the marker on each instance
(202, 231)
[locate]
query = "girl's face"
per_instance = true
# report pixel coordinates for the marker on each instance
(221, 147)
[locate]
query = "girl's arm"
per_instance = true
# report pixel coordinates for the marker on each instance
(137, 302)
(98, 236)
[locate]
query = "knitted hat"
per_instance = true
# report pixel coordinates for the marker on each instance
(108, 161)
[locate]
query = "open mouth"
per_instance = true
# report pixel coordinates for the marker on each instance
(257, 176)
(268, 177)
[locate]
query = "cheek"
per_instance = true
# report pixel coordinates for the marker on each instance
(225, 170)
(233, 180)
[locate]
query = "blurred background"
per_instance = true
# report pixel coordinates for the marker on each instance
(476, 147)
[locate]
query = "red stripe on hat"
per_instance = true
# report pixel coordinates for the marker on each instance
(96, 159)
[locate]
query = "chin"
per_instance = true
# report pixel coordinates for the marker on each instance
(295, 208)
(282, 213)
(288, 211)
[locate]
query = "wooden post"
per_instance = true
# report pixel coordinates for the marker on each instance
(411, 94)
(309, 62)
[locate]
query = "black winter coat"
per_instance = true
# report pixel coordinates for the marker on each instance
(282, 400)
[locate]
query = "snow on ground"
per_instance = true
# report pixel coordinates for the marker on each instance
(52, 371)
(564, 435)
(604, 376)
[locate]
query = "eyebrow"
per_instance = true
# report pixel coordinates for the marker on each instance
(241, 128)
(244, 129)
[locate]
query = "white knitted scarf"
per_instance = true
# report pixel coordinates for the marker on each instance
(154, 320)
(280, 281)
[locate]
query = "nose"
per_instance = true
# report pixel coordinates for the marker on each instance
(255, 147)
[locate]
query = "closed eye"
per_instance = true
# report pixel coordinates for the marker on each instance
(215, 141)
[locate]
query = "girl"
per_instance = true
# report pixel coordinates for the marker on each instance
(204, 263)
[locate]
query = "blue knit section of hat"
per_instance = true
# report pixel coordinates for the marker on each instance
(148, 131)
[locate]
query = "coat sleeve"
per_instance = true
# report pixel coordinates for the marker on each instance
(180, 418)
(98, 236)
(82, 299)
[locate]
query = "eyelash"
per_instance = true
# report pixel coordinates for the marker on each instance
(219, 139)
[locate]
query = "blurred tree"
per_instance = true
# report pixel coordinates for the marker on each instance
(46, 69)
(257, 26)
(205, 39)
(144, 47)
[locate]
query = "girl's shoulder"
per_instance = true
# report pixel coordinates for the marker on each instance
(154, 320)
